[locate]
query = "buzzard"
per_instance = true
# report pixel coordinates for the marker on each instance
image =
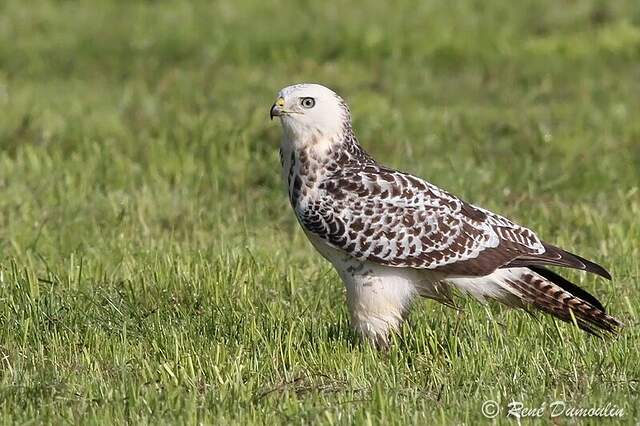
(392, 236)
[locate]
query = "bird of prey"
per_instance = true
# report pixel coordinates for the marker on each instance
(392, 236)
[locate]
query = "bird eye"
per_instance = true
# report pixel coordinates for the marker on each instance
(308, 102)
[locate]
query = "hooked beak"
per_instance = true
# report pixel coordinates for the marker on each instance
(276, 108)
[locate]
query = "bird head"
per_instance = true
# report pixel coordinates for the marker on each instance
(311, 112)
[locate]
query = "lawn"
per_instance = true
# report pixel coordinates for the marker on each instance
(151, 270)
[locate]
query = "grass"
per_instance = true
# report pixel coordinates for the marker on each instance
(151, 270)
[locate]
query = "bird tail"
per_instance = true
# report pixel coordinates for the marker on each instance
(545, 290)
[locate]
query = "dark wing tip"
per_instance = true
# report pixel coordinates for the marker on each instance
(578, 261)
(592, 267)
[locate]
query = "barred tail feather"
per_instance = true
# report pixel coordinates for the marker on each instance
(544, 290)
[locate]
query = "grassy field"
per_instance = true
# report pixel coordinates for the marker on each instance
(151, 270)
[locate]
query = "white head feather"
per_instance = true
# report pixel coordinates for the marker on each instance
(311, 115)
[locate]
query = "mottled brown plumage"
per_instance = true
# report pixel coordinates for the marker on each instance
(392, 235)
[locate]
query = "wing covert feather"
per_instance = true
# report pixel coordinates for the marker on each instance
(395, 219)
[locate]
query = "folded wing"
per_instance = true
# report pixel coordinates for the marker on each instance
(392, 218)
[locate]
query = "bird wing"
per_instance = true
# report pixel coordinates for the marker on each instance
(396, 219)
